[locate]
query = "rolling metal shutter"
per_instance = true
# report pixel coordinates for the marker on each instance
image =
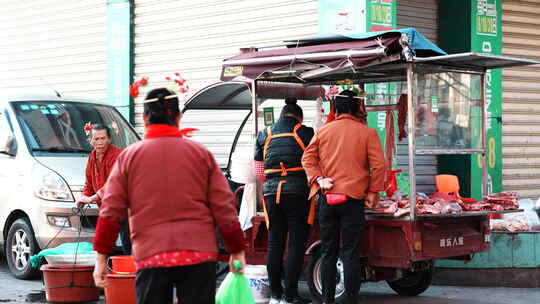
(58, 44)
(521, 99)
(193, 37)
(421, 14)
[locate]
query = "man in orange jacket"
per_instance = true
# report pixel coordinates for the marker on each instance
(344, 159)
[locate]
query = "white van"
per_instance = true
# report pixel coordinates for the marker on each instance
(43, 153)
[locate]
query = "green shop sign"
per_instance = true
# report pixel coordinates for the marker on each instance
(268, 115)
(486, 37)
(476, 26)
(381, 15)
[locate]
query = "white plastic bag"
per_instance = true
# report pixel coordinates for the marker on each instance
(497, 225)
(527, 220)
(242, 165)
(247, 208)
(530, 213)
(514, 222)
(451, 208)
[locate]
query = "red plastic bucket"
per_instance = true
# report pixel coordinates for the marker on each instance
(68, 284)
(120, 289)
(123, 264)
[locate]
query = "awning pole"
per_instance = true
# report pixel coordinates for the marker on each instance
(484, 135)
(258, 186)
(411, 115)
(254, 107)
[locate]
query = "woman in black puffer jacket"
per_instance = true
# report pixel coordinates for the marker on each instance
(286, 194)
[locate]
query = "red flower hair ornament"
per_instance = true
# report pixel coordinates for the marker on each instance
(134, 87)
(180, 87)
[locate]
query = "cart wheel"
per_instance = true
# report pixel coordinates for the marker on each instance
(315, 281)
(413, 283)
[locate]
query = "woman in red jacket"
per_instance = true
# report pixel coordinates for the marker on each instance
(176, 195)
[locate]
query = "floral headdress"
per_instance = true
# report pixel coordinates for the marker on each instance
(180, 86)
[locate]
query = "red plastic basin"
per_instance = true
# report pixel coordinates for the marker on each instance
(68, 284)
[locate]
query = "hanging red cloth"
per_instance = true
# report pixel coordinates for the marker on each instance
(402, 116)
(389, 147)
(390, 140)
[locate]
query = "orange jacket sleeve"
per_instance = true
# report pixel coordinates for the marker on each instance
(376, 162)
(310, 160)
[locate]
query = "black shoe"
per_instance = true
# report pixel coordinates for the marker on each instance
(295, 300)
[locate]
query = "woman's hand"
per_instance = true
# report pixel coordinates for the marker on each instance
(325, 183)
(372, 199)
(240, 256)
(100, 270)
(83, 200)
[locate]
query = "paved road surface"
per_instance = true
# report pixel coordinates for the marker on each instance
(16, 291)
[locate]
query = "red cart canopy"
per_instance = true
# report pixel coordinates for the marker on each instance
(320, 57)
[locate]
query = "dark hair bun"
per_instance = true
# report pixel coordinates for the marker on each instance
(290, 100)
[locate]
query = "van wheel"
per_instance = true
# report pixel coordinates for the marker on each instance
(315, 281)
(20, 245)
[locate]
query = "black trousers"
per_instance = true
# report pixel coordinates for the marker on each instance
(343, 224)
(287, 217)
(195, 284)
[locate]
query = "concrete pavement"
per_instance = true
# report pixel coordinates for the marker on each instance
(16, 291)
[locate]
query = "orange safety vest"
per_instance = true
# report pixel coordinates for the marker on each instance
(284, 170)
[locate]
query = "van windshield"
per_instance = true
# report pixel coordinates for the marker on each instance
(59, 127)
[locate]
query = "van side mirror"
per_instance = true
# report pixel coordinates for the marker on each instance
(8, 145)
